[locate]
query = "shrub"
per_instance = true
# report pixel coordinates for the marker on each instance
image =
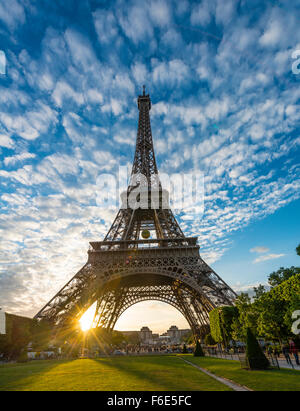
(198, 350)
(254, 354)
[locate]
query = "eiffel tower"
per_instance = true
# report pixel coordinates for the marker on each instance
(130, 266)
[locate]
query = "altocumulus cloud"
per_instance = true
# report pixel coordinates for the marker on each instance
(225, 101)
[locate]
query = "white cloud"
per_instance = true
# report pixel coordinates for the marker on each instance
(64, 91)
(280, 26)
(267, 257)
(19, 157)
(248, 288)
(125, 139)
(105, 25)
(12, 15)
(135, 22)
(225, 11)
(6, 141)
(80, 49)
(139, 72)
(259, 249)
(172, 73)
(272, 34)
(159, 12)
(94, 96)
(256, 132)
(201, 13)
(31, 124)
(62, 163)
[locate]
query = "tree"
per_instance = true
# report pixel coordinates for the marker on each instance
(184, 349)
(273, 310)
(259, 291)
(246, 317)
(209, 340)
(198, 350)
(298, 250)
(221, 319)
(187, 338)
(40, 334)
(254, 354)
(283, 274)
(133, 338)
(118, 338)
(17, 336)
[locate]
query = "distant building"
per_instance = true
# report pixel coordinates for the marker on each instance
(175, 334)
(147, 337)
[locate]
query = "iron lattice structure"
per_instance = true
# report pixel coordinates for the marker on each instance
(125, 269)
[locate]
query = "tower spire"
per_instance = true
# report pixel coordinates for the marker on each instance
(144, 159)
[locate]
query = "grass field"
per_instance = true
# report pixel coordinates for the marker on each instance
(143, 373)
(270, 380)
(113, 374)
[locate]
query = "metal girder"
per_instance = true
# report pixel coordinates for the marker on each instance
(112, 305)
(124, 269)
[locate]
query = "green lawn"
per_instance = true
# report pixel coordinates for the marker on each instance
(270, 380)
(117, 373)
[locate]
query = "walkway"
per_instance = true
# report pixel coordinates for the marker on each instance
(234, 386)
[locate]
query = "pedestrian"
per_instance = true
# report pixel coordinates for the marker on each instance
(294, 351)
(286, 353)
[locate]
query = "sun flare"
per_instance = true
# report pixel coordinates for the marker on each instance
(87, 318)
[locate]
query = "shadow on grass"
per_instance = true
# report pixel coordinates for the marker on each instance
(23, 375)
(109, 373)
(160, 373)
(131, 369)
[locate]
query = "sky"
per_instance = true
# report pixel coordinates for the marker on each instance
(224, 83)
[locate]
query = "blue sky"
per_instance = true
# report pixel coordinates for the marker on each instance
(225, 100)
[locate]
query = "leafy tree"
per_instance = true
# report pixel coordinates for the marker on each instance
(40, 334)
(259, 291)
(221, 320)
(198, 350)
(133, 338)
(215, 325)
(117, 338)
(254, 354)
(246, 317)
(187, 338)
(283, 274)
(293, 305)
(209, 340)
(17, 336)
(184, 349)
(275, 309)
(298, 249)
(105, 338)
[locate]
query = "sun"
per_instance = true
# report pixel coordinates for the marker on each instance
(87, 318)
